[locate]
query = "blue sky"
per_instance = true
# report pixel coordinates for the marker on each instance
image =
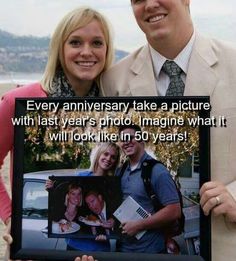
(39, 18)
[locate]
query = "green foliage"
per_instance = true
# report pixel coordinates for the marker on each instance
(73, 154)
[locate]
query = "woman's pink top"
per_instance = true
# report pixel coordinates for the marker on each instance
(7, 111)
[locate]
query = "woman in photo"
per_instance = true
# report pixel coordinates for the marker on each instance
(72, 205)
(73, 201)
(80, 50)
(105, 159)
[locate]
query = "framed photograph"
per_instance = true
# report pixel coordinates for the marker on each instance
(92, 195)
(64, 206)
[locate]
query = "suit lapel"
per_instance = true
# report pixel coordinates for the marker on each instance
(201, 79)
(143, 82)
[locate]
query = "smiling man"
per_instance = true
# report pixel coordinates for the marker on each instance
(101, 211)
(177, 60)
(153, 241)
(170, 35)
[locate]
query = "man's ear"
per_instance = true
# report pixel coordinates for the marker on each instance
(100, 197)
(187, 2)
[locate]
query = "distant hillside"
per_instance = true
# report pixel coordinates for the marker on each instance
(27, 54)
(8, 40)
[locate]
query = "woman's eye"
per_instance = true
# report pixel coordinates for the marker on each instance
(97, 43)
(74, 42)
(137, 1)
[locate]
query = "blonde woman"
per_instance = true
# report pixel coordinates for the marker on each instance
(104, 160)
(73, 202)
(80, 50)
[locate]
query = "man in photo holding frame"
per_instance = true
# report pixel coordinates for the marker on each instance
(100, 210)
(132, 184)
(176, 61)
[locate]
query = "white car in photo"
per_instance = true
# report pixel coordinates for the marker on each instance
(35, 211)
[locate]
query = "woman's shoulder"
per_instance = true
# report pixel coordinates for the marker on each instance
(29, 90)
(84, 173)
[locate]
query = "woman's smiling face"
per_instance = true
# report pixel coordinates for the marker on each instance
(85, 53)
(75, 196)
(108, 158)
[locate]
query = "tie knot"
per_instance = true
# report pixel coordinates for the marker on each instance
(171, 68)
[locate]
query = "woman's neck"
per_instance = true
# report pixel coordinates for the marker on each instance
(81, 89)
(99, 172)
(71, 212)
(71, 207)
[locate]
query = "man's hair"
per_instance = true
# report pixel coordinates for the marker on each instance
(134, 127)
(94, 193)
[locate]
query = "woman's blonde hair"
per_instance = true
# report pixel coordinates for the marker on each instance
(75, 19)
(103, 147)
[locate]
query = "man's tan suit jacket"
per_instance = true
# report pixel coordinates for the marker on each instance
(211, 72)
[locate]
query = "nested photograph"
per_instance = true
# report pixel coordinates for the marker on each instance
(82, 207)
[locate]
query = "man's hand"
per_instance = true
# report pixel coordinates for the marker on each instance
(101, 238)
(108, 224)
(216, 199)
(85, 258)
(131, 228)
(7, 236)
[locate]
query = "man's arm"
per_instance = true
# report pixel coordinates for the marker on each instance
(161, 218)
(108, 223)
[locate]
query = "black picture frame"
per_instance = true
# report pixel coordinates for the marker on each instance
(20, 251)
(108, 188)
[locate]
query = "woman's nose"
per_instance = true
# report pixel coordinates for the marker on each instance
(109, 157)
(86, 50)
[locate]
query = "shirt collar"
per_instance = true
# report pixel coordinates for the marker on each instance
(182, 59)
(144, 156)
(104, 210)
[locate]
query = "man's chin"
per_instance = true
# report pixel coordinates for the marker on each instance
(129, 153)
(129, 149)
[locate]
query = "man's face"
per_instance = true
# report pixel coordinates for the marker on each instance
(131, 147)
(161, 19)
(95, 203)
